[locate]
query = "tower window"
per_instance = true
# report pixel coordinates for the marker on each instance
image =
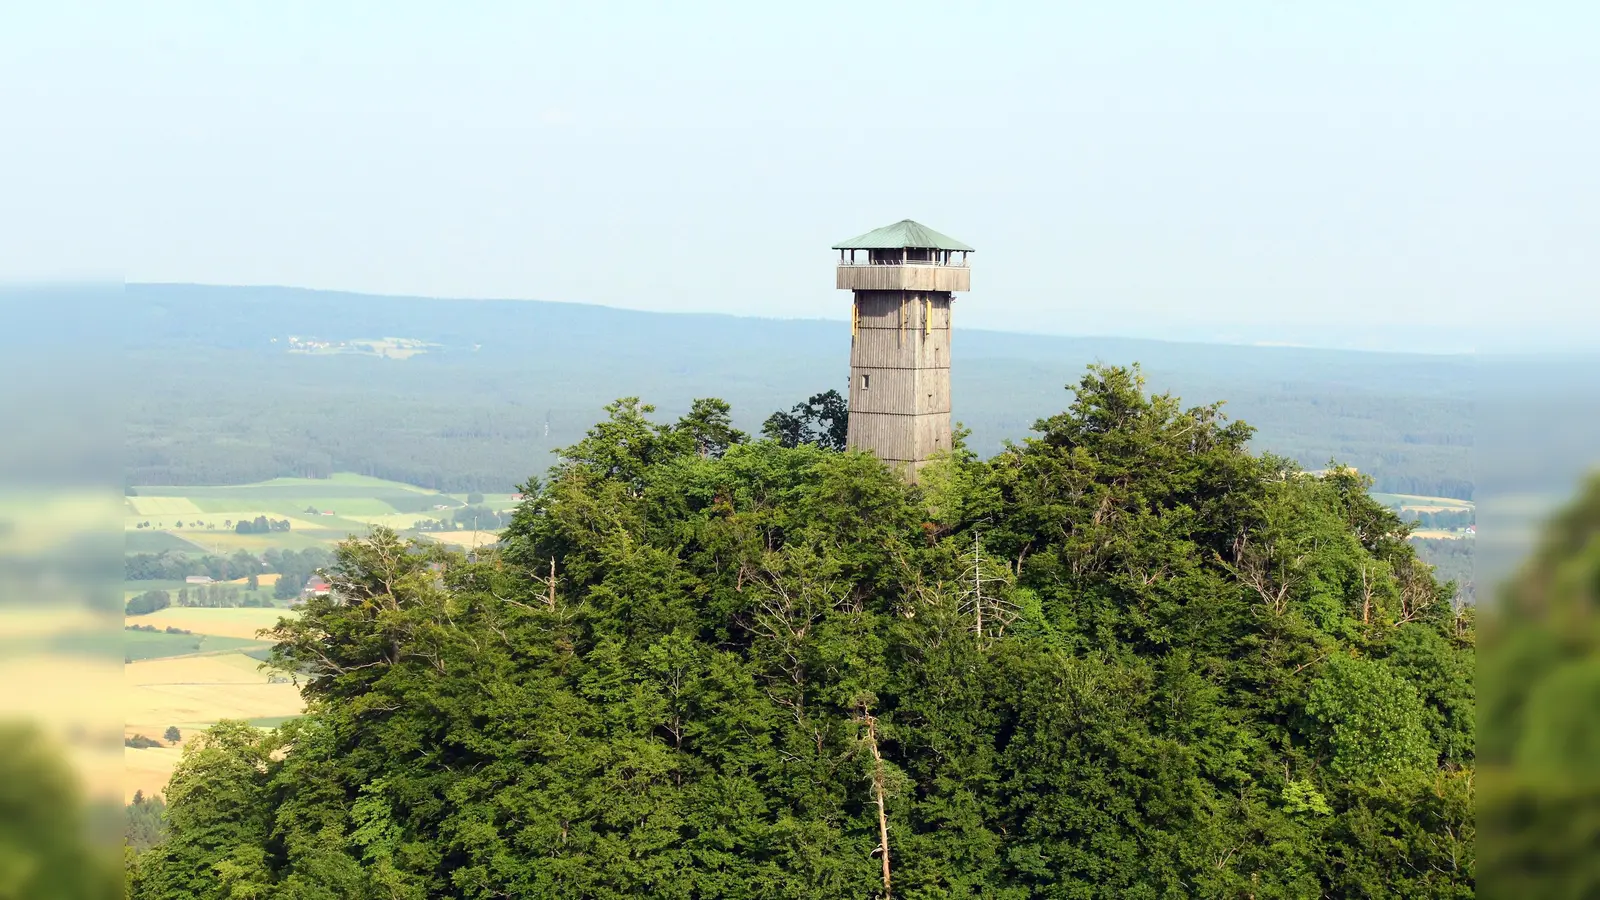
(866, 381)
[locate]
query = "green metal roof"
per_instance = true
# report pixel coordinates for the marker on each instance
(904, 233)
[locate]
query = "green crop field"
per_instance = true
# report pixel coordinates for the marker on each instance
(320, 512)
(143, 541)
(138, 645)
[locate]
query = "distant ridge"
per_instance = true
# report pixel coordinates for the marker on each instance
(244, 292)
(501, 383)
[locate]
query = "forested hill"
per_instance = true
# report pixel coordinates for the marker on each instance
(219, 397)
(1124, 659)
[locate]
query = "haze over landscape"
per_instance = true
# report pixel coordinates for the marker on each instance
(1360, 177)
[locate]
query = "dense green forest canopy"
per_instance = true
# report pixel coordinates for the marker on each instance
(220, 399)
(1124, 658)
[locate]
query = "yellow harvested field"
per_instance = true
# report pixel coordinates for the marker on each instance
(56, 688)
(265, 579)
(164, 506)
(237, 623)
(196, 691)
(148, 770)
(192, 693)
(466, 539)
(72, 695)
(1435, 533)
(32, 622)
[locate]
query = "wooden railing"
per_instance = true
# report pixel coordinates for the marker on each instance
(953, 264)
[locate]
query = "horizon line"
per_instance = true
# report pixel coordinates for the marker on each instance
(1456, 353)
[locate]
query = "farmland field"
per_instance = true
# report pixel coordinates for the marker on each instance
(191, 681)
(1439, 534)
(466, 539)
(1421, 503)
(191, 693)
(143, 645)
(397, 521)
(162, 506)
(265, 579)
(320, 512)
(225, 542)
(496, 502)
(61, 675)
(155, 542)
(240, 622)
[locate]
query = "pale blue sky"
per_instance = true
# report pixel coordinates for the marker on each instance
(1363, 174)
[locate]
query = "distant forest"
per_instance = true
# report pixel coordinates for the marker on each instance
(1452, 561)
(214, 396)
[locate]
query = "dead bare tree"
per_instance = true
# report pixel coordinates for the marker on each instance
(865, 718)
(1256, 568)
(550, 586)
(984, 596)
(1417, 589)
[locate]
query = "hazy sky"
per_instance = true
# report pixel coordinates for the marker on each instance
(1363, 174)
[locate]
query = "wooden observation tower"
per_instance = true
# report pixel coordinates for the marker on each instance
(903, 277)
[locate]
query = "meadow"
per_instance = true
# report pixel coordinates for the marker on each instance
(192, 681)
(239, 622)
(143, 645)
(192, 692)
(320, 512)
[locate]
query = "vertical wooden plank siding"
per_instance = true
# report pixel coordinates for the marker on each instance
(900, 373)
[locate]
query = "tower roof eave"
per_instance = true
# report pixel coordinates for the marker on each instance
(904, 234)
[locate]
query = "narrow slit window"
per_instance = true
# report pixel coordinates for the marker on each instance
(866, 381)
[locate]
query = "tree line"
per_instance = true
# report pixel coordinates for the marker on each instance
(1440, 520)
(173, 565)
(1125, 657)
(1452, 561)
(206, 596)
(261, 525)
(291, 565)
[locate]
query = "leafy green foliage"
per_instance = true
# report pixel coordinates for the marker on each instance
(1369, 720)
(148, 602)
(146, 822)
(1541, 661)
(1124, 658)
(45, 847)
(823, 420)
